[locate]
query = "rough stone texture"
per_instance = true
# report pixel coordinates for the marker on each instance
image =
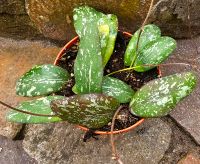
(54, 18)
(16, 58)
(172, 17)
(181, 144)
(8, 129)
(12, 6)
(62, 143)
(187, 113)
(193, 157)
(11, 152)
(14, 21)
(190, 159)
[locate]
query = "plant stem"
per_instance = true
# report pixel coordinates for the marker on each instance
(114, 151)
(147, 65)
(26, 112)
(140, 31)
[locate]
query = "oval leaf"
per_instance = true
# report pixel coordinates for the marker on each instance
(107, 25)
(82, 15)
(149, 34)
(155, 53)
(88, 69)
(108, 42)
(39, 106)
(117, 89)
(90, 110)
(158, 97)
(104, 36)
(42, 80)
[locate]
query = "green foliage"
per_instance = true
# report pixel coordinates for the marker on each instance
(117, 89)
(83, 16)
(150, 33)
(88, 68)
(99, 97)
(107, 26)
(39, 106)
(154, 53)
(104, 37)
(74, 89)
(90, 110)
(158, 97)
(42, 80)
(108, 43)
(152, 49)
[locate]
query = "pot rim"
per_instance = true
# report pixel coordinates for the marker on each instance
(68, 45)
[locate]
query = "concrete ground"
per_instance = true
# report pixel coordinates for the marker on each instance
(172, 139)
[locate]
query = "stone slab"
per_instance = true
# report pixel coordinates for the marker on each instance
(11, 152)
(63, 143)
(181, 144)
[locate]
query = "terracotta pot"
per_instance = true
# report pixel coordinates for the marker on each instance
(67, 46)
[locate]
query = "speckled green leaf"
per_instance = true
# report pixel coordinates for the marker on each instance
(88, 69)
(158, 97)
(39, 106)
(90, 110)
(111, 21)
(155, 53)
(117, 89)
(107, 25)
(149, 34)
(104, 37)
(82, 15)
(42, 80)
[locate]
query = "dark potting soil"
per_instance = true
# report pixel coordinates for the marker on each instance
(134, 79)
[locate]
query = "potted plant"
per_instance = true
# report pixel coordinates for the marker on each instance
(98, 95)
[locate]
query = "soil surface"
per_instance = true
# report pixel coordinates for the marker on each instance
(134, 79)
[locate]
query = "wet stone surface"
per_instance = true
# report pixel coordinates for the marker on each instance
(63, 143)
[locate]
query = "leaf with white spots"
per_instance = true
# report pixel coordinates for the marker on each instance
(39, 106)
(88, 69)
(90, 110)
(84, 15)
(149, 34)
(154, 53)
(108, 41)
(158, 97)
(42, 80)
(117, 89)
(107, 25)
(104, 36)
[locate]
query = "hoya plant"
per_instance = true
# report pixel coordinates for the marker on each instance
(97, 97)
